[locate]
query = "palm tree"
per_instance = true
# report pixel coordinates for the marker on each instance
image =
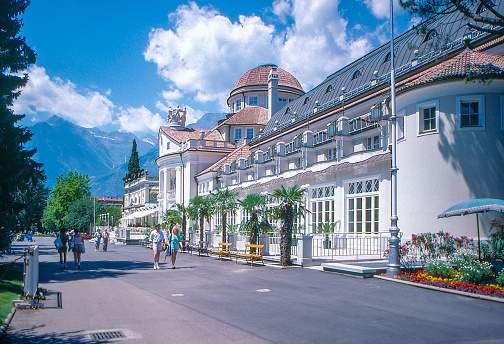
(255, 206)
(225, 203)
(290, 205)
(172, 217)
(183, 210)
(200, 208)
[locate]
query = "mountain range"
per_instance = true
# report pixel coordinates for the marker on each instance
(63, 146)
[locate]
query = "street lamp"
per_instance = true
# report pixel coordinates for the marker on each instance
(393, 267)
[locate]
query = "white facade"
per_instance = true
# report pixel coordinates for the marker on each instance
(140, 201)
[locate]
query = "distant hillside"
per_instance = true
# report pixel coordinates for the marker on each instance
(208, 121)
(63, 146)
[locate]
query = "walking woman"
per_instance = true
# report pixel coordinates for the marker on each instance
(175, 242)
(105, 238)
(157, 241)
(78, 243)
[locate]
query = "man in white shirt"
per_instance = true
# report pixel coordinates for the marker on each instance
(157, 240)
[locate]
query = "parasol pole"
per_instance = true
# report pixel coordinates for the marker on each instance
(479, 241)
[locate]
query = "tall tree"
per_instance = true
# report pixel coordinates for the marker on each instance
(134, 170)
(254, 205)
(225, 203)
(289, 206)
(81, 214)
(482, 12)
(66, 191)
(184, 212)
(172, 217)
(17, 168)
(200, 208)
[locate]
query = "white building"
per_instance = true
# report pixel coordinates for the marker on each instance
(335, 139)
(140, 202)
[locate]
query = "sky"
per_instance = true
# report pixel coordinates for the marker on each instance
(120, 64)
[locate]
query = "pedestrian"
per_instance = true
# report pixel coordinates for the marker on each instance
(63, 236)
(105, 238)
(78, 245)
(174, 240)
(97, 237)
(157, 242)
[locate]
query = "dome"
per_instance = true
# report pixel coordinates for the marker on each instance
(259, 77)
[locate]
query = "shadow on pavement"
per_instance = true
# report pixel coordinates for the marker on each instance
(29, 336)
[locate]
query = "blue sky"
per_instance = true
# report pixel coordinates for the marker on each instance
(119, 64)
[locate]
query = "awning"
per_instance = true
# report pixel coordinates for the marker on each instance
(140, 214)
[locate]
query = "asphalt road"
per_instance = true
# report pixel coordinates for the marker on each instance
(210, 301)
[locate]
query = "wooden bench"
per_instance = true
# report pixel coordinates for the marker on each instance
(224, 250)
(202, 247)
(252, 252)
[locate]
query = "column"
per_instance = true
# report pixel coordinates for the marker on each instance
(304, 256)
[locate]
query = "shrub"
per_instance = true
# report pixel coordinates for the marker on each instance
(463, 256)
(475, 272)
(500, 279)
(440, 269)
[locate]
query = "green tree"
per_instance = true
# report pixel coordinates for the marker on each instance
(254, 205)
(200, 209)
(17, 168)
(134, 170)
(81, 214)
(66, 191)
(472, 9)
(34, 198)
(225, 203)
(289, 206)
(115, 215)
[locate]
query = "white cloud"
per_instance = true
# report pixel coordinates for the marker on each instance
(172, 95)
(381, 8)
(205, 52)
(43, 94)
(139, 120)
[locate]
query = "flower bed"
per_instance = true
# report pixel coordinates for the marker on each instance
(423, 277)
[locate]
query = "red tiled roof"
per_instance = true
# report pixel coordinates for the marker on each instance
(191, 134)
(259, 76)
(466, 63)
(240, 152)
(109, 199)
(249, 115)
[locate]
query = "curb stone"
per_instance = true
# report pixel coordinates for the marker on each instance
(7, 321)
(445, 290)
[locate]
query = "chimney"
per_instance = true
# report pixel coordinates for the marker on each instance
(273, 103)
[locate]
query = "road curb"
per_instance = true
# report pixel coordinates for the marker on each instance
(7, 321)
(444, 290)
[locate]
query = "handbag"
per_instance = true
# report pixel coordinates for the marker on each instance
(58, 243)
(83, 247)
(168, 250)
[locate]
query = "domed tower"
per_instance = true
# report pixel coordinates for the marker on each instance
(266, 86)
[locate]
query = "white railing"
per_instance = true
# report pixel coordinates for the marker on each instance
(334, 246)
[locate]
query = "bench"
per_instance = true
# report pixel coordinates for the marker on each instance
(202, 247)
(252, 252)
(224, 250)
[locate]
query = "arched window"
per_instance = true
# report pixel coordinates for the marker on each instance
(430, 35)
(329, 89)
(387, 57)
(307, 99)
(287, 110)
(356, 74)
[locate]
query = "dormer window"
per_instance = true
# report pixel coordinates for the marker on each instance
(430, 35)
(356, 74)
(329, 89)
(287, 111)
(306, 100)
(387, 57)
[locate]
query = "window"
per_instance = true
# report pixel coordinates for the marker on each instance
(250, 133)
(238, 133)
(167, 145)
(470, 113)
(253, 101)
(238, 105)
(400, 126)
(322, 207)
(356, 74)
(387, 57)
(430, 35)
(428, 115)
(329, 89)
(282, 99)
(306, 100)
(363, 206)
(373, 142)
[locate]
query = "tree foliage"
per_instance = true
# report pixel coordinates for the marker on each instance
(17, 168)
(134, 170)
(225, 203)
(81, 214)
(254, 205)
(483, 14)
(67, 190)
(200, 209)
(289, 206)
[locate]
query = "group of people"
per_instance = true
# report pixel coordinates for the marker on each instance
(98, 238)
(159, 243)
(70, 241)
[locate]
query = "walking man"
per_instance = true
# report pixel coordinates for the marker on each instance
(157, 241)
(97, 237)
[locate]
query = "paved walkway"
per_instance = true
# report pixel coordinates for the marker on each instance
(209, 301)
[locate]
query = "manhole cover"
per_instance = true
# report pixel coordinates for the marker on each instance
(107, 335)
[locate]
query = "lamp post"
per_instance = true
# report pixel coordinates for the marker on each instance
(393, 267)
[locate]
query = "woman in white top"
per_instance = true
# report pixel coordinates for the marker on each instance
(157, 241)
(77, 248)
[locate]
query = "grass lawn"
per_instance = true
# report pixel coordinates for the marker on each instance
(11, 282)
